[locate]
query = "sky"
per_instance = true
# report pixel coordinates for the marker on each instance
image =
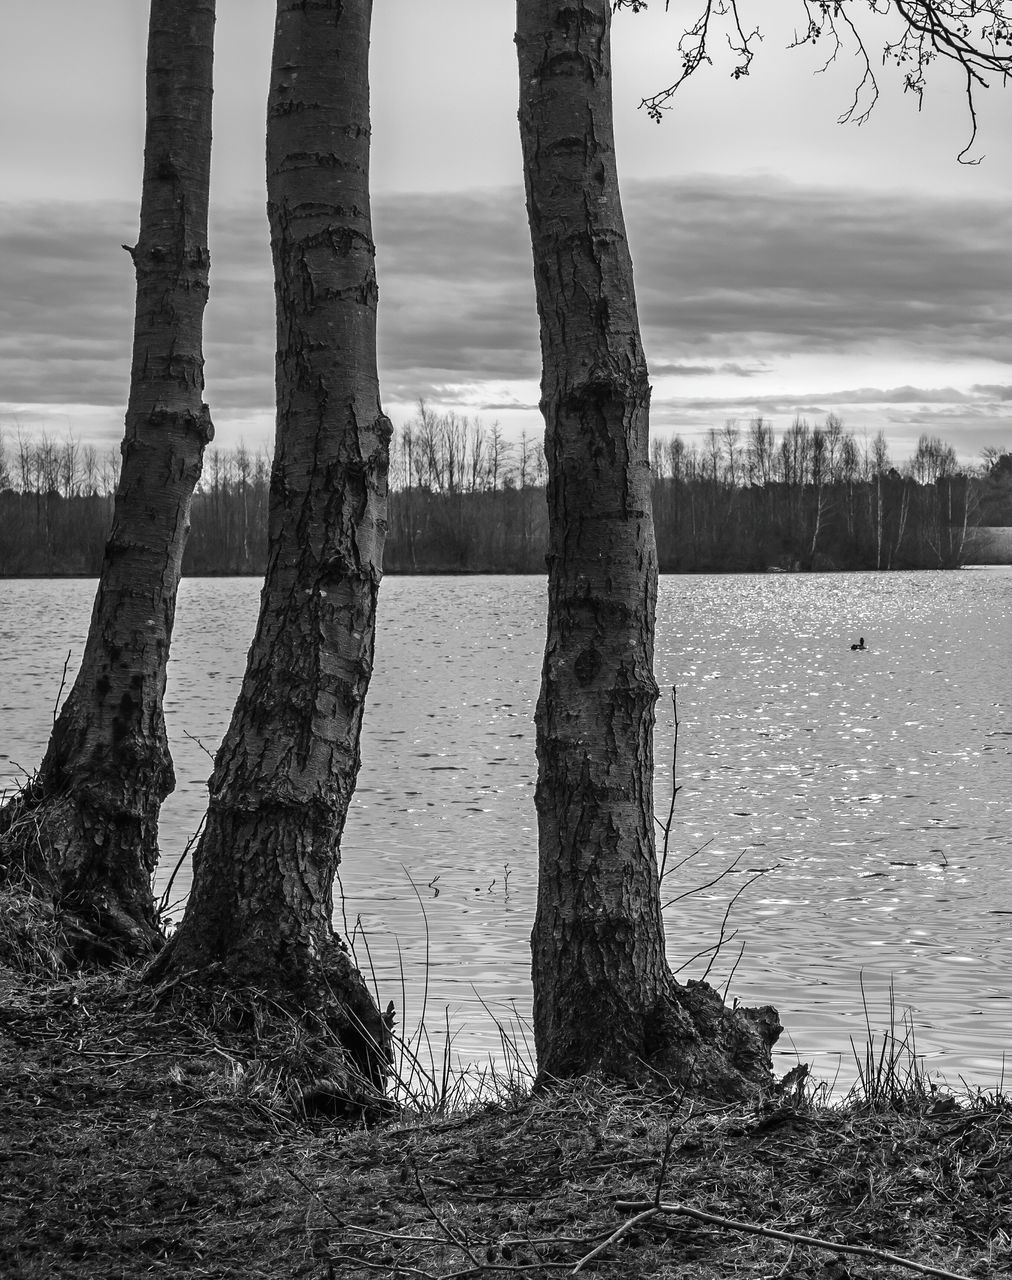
(786, 264)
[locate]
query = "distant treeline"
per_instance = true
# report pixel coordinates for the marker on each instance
(466, 500)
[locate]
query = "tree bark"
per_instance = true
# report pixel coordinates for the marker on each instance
(85, 829)
(604, 998)
(260, 909)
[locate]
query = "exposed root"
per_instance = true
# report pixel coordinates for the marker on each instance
(83, 870)
(332, 1063)
(711, 1050)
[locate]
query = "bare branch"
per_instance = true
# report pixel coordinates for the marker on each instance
(976, 35)
(645, 1209)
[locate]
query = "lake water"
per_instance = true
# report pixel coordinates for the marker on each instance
(875, 786)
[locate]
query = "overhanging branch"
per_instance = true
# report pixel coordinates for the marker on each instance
(976, 35)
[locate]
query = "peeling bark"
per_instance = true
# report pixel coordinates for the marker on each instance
(604, 998)
(85, 830)
(261, 904)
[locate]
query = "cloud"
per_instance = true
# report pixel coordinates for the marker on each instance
(827, 399)
(456, 291)
(997, 391)
(759, 266)
(900, 403)
(66, 306)
(672, 369)
(507, 406)
(239, 321)
(734, 275)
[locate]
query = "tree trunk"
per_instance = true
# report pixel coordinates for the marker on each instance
(262, 898)
(604, 998)
(85, 829)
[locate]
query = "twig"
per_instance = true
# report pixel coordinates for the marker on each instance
(669, 1143)
(734, 970)
(462, 1245)
(394, 1236)
(194, 738)
(646, 1210)
(403, 1269)
(705, 951)
(701, 888)
(164, 903)
(398, 1238)
(688, 858)
(615, 1235)
(63, 684)
(406, 1269)
(675, 788)
(723, 937)
(306, 1187)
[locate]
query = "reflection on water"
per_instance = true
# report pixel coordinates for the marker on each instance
(872, 788)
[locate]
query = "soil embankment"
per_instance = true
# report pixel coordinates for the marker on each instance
(138, 1141)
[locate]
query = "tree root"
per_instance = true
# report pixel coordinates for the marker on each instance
(322, 1004)
(706, 1049)
(84, 870)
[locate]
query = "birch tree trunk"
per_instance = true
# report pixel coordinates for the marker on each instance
(604, 998)
(261, 904)
(85, 829)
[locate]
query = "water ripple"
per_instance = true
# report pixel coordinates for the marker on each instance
(872, 789)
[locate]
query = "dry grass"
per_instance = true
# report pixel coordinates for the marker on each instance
(154, 1139)
(32, 941)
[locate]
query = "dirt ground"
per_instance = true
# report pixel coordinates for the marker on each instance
(139, 1141)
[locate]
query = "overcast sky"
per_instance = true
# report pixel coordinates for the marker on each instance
(786, 264)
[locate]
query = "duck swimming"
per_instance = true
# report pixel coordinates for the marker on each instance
(860, 644)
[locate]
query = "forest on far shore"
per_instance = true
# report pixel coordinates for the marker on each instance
(464, 499)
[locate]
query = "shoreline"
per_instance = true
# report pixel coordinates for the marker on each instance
(515, 573)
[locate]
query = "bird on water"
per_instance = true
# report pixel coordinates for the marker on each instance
(860, 644)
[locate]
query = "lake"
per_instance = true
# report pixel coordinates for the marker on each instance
(872, 788)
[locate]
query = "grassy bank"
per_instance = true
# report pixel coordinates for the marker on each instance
(139, 1140)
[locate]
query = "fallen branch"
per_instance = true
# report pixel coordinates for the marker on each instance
(615, 1235)
(647, 1208)
(462, 1245)
(306, 1187)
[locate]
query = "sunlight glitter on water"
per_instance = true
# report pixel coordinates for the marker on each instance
(872, 788)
